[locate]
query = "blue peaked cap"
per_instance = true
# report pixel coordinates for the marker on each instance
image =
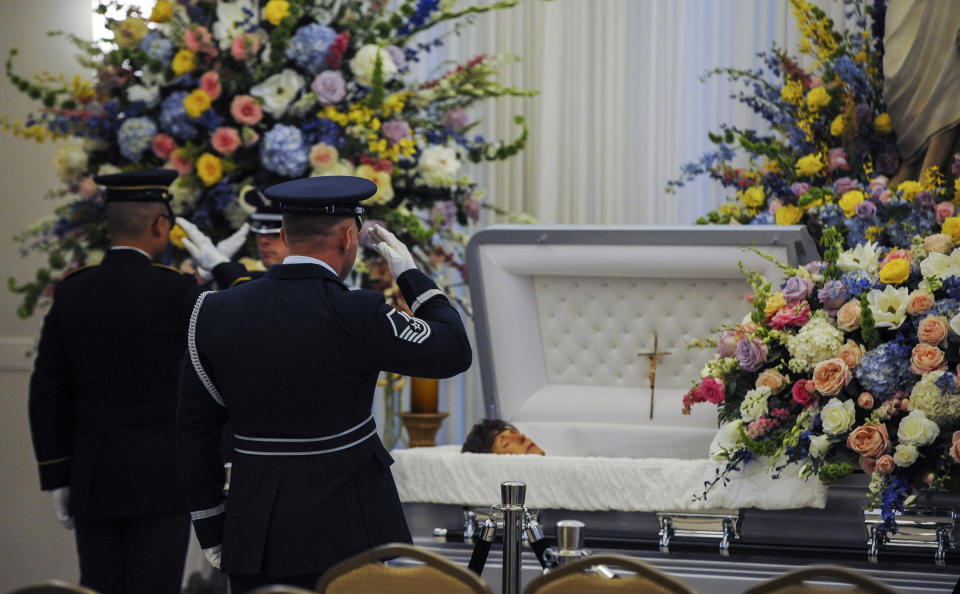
(336, 195)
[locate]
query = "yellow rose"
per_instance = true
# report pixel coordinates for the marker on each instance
(956, 187)
(849, 201)
(209, 168)
(774, 304)
(909, 188)
(275, 10)
(883, 124)
(752, 197)
(128, 32)
(183, 62)
(838, 126)
(792, 92)
(196, 103)
(895, 271)
(951, 227)
(382, 179)
(809, 165)
(176, 236)
(162, 12)
(789, 214)
(817, 97)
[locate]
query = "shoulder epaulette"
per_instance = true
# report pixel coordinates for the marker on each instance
(76, 270)
(177, 270)
(240, 281)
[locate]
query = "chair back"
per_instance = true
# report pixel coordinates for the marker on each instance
(576, 577)
(794, 582)
(367, 573)
(53, 587)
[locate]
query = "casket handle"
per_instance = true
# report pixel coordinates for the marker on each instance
(666, 533)
(878, 535)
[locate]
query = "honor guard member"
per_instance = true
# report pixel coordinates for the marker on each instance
(265, 222)
(311, 482)
(103, 397)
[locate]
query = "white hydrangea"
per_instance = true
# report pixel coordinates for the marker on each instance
(927, 397)
(70, 162)
(438, 166)
(866, 256)
(818, 341)
(756, 403)
(149, 95)
(719, 367)
(889, 306)
(364, 62)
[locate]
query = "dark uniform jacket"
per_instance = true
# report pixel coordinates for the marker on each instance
(103, 394)
(229, 274)
(295, 357)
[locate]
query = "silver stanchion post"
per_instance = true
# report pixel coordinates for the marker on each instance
(512, 496)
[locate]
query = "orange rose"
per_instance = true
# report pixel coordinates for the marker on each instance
(938, 242)
(851, 353)
(919, 302)
(933, 330)
(831, 376)
(869, 440)
(926, 358)
(848, 317)
(885, 464)
(773, 379)
(955, 452)
(865, 400)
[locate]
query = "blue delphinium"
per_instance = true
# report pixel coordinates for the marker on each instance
(851, 74)
(134, 137)
(947, 383)
(174, 119)
(283, 151)
(892, 500)
(857, 282)
(157, 47)
(882, 369)
(309, 45)
(322, 130)
(420, 16)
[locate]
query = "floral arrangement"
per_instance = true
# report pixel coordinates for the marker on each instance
(830, 149)
(253, 92)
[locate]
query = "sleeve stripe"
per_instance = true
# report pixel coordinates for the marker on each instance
(46, 462)
(426, 295)
(209, 513)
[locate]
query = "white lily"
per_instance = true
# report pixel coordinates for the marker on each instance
(889, 307)
(866, 256)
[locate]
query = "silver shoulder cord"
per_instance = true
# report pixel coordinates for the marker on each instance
(195, 356)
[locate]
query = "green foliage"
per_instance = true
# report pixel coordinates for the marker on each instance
(868, 329)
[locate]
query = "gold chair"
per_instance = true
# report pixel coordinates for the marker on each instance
(367, 573)
(280, 589)
(792, 582)
(53, 587)
(574, 578)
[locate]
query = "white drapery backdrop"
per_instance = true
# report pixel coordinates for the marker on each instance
(621, 108)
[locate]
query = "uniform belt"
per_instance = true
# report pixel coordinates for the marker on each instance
(306, 446)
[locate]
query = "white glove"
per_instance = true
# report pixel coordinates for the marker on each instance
(61, 502)
(229, 246)
(213, 555)
(201, 248)
(393, 251)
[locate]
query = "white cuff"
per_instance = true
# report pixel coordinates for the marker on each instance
(423, 299)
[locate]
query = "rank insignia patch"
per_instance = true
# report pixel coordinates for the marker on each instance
(408, 328)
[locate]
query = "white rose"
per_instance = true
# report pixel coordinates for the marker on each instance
(70, 162)
(149, 95)
(819, 445)
(438, 166)
(755, 404)
(905, 454)
(955, 324)
(889, 307)
(278, 91)
(365, 61)
(233, 18)
(837, 416)
(916, 429)
(726, 439)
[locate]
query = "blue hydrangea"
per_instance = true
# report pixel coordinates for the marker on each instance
(309, 45)
(323, 130)
(283, 151)
(763, 218)
(830, 215)
(947, 383)
(857, 229)
(174, 119)
(883, 369)
(858, 282)
(157, 47)
(946, 307)
(134, 137)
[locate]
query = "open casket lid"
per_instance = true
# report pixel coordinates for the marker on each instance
(562, 313)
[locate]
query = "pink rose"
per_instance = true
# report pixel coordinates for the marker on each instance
(926, 358)
(878, 183)
(933, 330)
(712, 390)
(884, 196)
(905, 404)
(775, 205)
(773, 379)
(869, 440)
(919, 302)
(181, 162)
(163, 145)
(867, 464)
(848, 316)
(851, 353)
(245, 47)
(197, 39)
(831, 376)
(955, 452)
(885, 464)
(245, 110)
(210, 83)
(791, 315)
(897, 255)
(804, 393)
(88, 187)
(225, 140)
(837, 160)
(938, 242)
(944, 210)
(956, 437)
(865, 400)
(727, 343)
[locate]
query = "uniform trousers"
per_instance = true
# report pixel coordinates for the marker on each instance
(133, 554)
(245, 583)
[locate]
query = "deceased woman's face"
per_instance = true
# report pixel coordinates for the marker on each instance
(511, 441)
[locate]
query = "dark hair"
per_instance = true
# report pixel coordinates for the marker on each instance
(131, 219)
(481, 436)
(310, 227)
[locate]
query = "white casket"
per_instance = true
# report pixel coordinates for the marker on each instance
(567, 319)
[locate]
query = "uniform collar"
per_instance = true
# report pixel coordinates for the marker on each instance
(301, 270)
(310, 260)
(125, 253)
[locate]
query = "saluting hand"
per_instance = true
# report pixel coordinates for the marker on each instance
(201, 248)
(61, 503)
(393, 251)
(231, 245)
